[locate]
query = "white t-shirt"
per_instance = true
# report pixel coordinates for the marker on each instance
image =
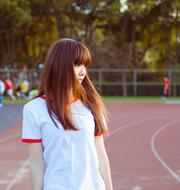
(70, 157)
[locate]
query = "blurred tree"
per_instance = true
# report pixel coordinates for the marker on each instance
(13, 16)
(120, 33)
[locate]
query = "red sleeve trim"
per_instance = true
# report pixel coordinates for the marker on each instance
(99, 134)
(32, 140)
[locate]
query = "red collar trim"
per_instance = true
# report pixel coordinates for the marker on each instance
(42, 96)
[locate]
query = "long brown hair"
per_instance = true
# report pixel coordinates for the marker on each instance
(59, 80)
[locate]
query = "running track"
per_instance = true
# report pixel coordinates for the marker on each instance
(143, 149)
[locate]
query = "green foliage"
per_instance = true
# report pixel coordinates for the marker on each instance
(144, 35)
(12, 16)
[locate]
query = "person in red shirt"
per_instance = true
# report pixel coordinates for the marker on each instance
(9, 88)
(166, 86)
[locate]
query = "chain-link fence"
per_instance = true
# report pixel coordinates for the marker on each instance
(118, 82)
(135, 82)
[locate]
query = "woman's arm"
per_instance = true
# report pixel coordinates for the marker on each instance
(103, 162)
(36, 165)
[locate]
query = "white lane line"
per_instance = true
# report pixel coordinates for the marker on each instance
(20, 172)
(137, 188)
(172, 173)
(172, 102)
(2, 182)
(128, 125)
(9, 137)
(18, 175)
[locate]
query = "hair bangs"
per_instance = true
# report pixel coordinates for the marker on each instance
(83, 56)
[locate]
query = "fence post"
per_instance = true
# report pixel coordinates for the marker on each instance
(100, 80)
(135, 82)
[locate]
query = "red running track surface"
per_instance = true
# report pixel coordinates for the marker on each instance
(143, 149)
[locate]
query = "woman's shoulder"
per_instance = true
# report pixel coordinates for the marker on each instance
(35, 105)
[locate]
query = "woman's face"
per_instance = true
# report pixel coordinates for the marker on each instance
(80, 72)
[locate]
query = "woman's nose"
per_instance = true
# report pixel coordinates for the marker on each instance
(82, 70)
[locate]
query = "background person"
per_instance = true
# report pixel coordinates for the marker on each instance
(166, 86)
(33, 93)
(9, 88)
(2, 89)
(24, 88)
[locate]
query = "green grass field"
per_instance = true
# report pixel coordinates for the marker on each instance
(110, 99)
(142, 99)
(17, 101)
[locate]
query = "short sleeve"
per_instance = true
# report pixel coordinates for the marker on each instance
(30, 130)
(105, 125)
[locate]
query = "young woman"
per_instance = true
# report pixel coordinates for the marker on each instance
(65, 124)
